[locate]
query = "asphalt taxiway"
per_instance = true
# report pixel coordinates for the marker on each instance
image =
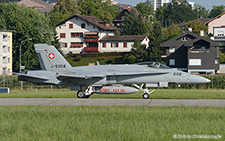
(110, 102)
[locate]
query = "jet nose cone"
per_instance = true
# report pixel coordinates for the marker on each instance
(208, 81)
(199, 79)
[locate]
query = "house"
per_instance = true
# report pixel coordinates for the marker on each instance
(123, 6)
(88, 34)
(121, 43)
(192, 53)
(117, 22)
(5, 52)
(216, 27)
(40, 5)
(81, 33)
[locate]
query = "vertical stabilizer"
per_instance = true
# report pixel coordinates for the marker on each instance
(50, 59)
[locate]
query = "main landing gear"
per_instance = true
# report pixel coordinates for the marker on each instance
(85, 93)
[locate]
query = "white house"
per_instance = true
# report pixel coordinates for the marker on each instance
(83, 34)
(121, 43)
(216, 26)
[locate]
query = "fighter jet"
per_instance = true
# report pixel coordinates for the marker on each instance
(103, 79)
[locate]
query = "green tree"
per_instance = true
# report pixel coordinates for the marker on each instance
(146, 10)
(139, 51)
(171, 32)
(217, 10)
(103, 10)
(63, 10)
(133, 24)
(196, 27)
(175, 13)
(26, 23)
(155, 38)
(68, 7)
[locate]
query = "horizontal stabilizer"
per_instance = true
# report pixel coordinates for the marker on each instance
(30, 76)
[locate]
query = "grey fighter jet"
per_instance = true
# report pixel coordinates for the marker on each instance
(103, 79)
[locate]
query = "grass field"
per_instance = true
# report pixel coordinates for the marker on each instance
(109, 123)
(160, 93)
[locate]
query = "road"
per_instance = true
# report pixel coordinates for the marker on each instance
(110, 102)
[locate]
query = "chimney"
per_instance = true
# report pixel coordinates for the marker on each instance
(190, 29)
(202, 33)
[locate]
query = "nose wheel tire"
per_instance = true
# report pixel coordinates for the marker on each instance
(81, 94)
(145, 96)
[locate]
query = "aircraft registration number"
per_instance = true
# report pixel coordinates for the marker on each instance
(58, 66)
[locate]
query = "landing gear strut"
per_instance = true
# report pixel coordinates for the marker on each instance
(146, 93)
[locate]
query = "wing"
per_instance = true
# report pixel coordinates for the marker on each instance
(30, 76)
(66, 76)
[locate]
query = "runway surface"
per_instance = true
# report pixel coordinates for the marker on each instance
(110, 102)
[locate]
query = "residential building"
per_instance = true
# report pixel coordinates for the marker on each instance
(192, 53)
(88, 34)
(216, 27)
(81, 33)
(122, 43)
(112, 1)
(117, 22)
(40, 5)
(157, 3)
(5, 52)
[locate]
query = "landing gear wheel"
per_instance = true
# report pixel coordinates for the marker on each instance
(81, 94)
(145, 96)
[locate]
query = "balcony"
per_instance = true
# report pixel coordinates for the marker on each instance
(91, 49)
(91, 39)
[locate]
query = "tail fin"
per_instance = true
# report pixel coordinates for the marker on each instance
(50, 59)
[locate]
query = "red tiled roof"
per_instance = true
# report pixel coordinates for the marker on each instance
(37, 3)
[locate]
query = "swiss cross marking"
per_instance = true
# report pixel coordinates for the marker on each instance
(51, 56)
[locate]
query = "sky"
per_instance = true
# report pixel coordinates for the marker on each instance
(208, 4)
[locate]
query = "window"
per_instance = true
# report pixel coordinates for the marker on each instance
(195, 62)
(220, 33)
(8, 60)
(62, 35)
(63, 44)
(216, 62)
(83, 25)
(172, 62)
(71, 26)
(76, 44)
(114, 44)
(8, 49)
(171, 49)
(78, 35)
(104, 45)
(184, 38)
(124, 44)
(123, 17)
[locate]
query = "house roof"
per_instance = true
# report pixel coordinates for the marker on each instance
(172, 42)
(201, 20)
(122, 6)
(46, 7)
(91, 19)
(128, 9)
(215, 18)
(124, 38)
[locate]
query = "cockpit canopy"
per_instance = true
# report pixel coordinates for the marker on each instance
(153, 64)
